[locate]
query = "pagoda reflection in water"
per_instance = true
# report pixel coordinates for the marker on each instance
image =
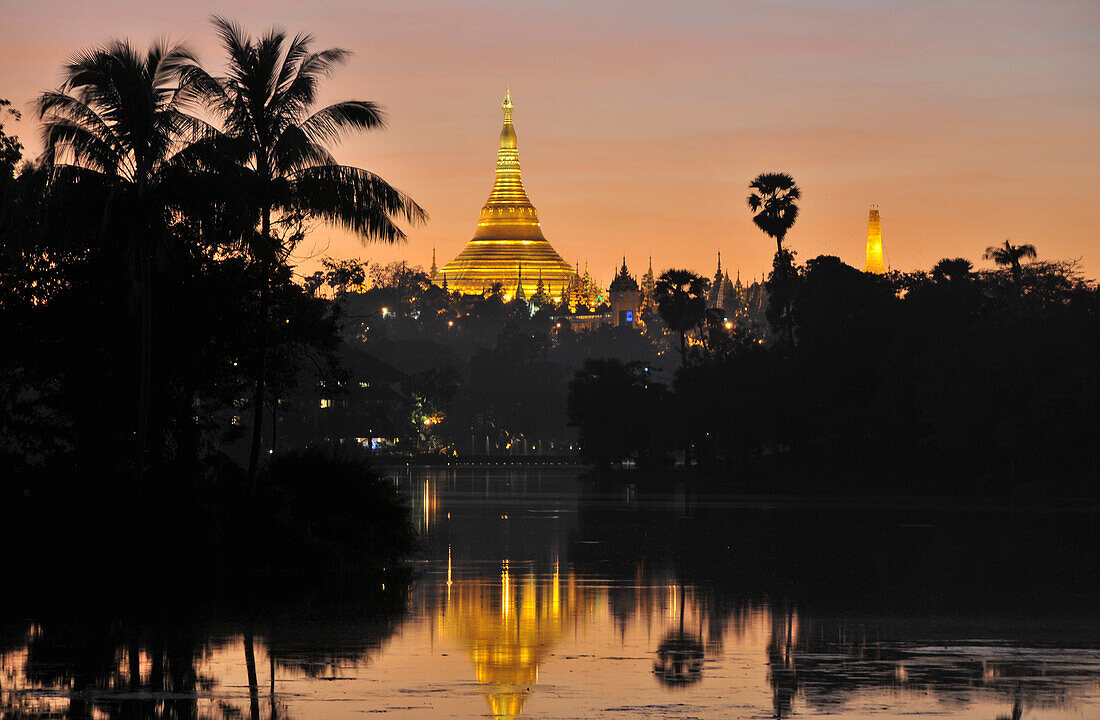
(509, 625)
(507, 629)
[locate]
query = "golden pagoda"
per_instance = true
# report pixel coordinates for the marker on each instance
(508, 246)
(874, 244)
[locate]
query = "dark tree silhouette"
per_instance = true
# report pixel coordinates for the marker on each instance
(619, 412)
(115, 128)
(265, 105)
(681, 301)
(952, 270)
(772, 201)
(11, 150)
(1010, 255)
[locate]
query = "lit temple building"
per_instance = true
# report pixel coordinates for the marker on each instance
(508, 246)
(874, 244)
(626, 299)
(723, 294)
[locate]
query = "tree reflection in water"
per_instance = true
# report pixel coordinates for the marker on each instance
(680, 655)
(78, 663)
(859, 600)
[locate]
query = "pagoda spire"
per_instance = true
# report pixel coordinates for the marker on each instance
(508, 202)
(874, 262)
(519, 285)
(435, 270)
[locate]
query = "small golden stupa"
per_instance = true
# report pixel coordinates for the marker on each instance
(508, 246)
(874, 262)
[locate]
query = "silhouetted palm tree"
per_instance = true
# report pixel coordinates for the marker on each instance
(1010, 255)
(114, 129)
(952, 270)
(681, 302)
(773, 201)
(265, 105)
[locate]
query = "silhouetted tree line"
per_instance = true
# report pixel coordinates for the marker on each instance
(146, 291)
(947, 380)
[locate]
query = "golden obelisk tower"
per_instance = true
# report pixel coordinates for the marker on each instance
(874, 244)
(508, 234)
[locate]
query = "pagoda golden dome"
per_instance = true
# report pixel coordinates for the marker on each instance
(508, 246)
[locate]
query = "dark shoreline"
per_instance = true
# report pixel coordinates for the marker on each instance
(781, 479)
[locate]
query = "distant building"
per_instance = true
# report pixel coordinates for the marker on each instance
(874, 262)
(508, 246)
(723, 294)
(368, 406)
(584, 293)
(626, 299)
(649, 288)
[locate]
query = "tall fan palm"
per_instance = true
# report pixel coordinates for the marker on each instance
(1010, 255)
(265, 104)
(681, 301)
(113, 129)
(773, 201)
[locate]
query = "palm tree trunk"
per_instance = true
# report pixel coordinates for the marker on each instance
(253, 683)
(274, 420)
(261, 354)
(145, 355)
(261, 374)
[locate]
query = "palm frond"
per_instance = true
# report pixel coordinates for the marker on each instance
(236, 43)
(331, 123)
(295, 151)
(54, 105)
(296, 51)
(354, 199)
(70, 143)
(296, 96)
(199, 91)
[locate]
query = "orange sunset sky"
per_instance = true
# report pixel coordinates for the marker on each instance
(641, 123)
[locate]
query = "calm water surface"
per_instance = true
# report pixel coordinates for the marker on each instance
(538, 596)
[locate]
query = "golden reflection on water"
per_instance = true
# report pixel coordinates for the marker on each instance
(511, 624)
(507, 629)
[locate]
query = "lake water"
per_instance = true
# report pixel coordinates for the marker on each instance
(540, 596)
